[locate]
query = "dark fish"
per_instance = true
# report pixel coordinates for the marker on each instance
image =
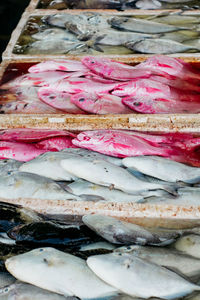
(52, 234)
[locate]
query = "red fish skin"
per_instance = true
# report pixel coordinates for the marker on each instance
(160, 106)
(19, 151)
(32, 135)
(58, 65)
(58, 100)
(190, 145)
(100, 104)
(55, 144)
(119, 145)
(107, 68)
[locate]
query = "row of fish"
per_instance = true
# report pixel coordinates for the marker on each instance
(104, 165)
(170, 270)
(118, 4)
(95, 85)
(94, 33)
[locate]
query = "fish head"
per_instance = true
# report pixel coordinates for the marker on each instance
(97, 65)
(85, 101)
(139, 105)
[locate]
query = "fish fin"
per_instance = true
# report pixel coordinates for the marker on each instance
(90, 197)
(175, 270)
(97, 48)
(93, 43)
(172, 189)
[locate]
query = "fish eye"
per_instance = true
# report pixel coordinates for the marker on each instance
(41, 250)
(9, 172)
(81, 100)
(137, 103)
(92, 62)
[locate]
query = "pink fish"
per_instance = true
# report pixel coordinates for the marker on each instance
(56, 143)
(38, 79)
(19, 151)
(160, 106)
(150, 89)
(170, 67)
(100, 104)
(190, 144)
(78, 85)
(177, 83)
(32, 135)
(119, 144)
(107, 68)
(58, 65)
(59, 100)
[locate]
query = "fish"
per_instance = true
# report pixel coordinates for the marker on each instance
(104, 173)
(24, 291)
(35, 79)
(55, 144)
(128, 273)
(59, 20)
(54, 33)
(160, 106)
(120, 232)
(118, 143)
(177, 19)
(99, 103)
(148, 4)
(68, 275)
(59, 100)
(107, 68)
(169, 258)
(59, 65)
(156, 166)
(141, 25)
(18, 151)
(56, 46)
(26, 185)
(180, 36)
(9, 166)
(189, 245)
(49, 233)
(97, 4)
(28, 135)
(82, 187)
(57, 4)
(78, 85)
(159, 46)
(96, 246)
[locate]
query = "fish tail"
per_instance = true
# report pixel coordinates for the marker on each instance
(93, 43)
(171, 189)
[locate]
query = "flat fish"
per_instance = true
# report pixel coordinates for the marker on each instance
(67, 274)
(120, 232)
(9, 166)
(99, 104)
(55, 144)
(140, 25)
(159, 46)
(58, 65)
(148, 4)
(24, 185)
(82, 187)
(128, 273)
(156, 166)
(189, 244)
(5, 279)
(54, 33)
(24, 291)
(59, 20)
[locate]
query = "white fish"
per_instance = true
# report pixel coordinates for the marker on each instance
(98, 245)
(6, 279)
(8, 166)
(189, 244)
(82, 187)
(163, 168)
(58, 272)
(28, 185)
(140, 278)
(105, 173)
(170, 258)
(24, 291)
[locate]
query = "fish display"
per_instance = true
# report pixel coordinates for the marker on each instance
(96, 33)
(118, 5)
(98, 85)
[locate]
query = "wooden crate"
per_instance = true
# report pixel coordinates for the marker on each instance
(134, 121)
(129, 58)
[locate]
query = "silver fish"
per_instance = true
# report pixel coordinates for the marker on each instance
(60, 272)
(98, 245)
(163, 168)
(59, 20)
(180, 36)
(120, 232)
(137, 277)
(148, 4)
(189, 244)
(105, 173)
(9, 166)
(159, 46)
(177, 19)
(170, 258)
(24, 291)
(27, 185)
(81, 187)
(140, 25)
(54, 33)
(6, 279)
